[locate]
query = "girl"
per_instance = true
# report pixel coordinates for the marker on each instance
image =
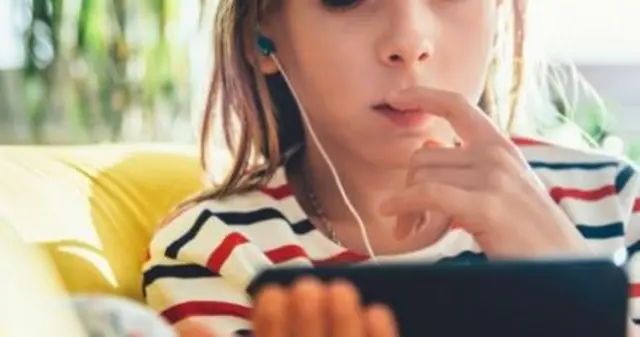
(373, 130)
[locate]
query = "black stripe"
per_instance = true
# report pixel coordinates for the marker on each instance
(235, 219)
(248, 218)
(609, 231)
(174, 248)
(634, 248)
(573, 166)
(243, 333)
(263, 214)
(189, 271)
(303, 227)
(623, 178)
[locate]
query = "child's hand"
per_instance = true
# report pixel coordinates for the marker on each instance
(485, 185)
(312, 309)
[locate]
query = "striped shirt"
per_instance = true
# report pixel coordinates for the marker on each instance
(201, 262)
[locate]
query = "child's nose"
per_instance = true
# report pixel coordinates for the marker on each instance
(408, 40)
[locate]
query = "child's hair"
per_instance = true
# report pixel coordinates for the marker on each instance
(259, 116)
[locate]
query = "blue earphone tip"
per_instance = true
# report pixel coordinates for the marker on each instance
(266, 45)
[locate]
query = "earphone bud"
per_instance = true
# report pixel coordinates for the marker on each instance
(268, 48)
(265, 44)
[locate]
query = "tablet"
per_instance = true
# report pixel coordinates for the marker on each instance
(497, 299)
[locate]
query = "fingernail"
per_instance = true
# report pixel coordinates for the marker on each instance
(432, 144)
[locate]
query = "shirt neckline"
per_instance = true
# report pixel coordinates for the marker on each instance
(293, 209)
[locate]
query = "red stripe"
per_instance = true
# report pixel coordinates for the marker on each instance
(224, 250)
(636, 206)
(286, 253)
(634, 290)
(290, 252)
(521, 141)
(346, 257)
(559, 193)
(185, 310)
(277, 193)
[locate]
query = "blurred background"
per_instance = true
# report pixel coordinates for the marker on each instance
(82, 71)
(87, 71)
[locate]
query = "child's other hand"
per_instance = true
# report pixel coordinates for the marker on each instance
(485, 185)
(313, 309)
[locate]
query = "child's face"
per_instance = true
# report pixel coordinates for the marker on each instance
(345, 56)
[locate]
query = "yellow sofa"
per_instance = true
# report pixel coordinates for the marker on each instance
(93, 208)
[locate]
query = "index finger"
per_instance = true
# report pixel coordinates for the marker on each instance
(469, 122)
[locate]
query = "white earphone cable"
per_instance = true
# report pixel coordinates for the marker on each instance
(332, 169)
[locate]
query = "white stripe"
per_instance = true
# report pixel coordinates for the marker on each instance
(633, 229)
(557, 154)
(228, 325)
(319, 247)
(167, 292)
(238, 267)
(273, 234)
(579, 180)
(465, 243)
(631, 190)
(292, 210)
(296, 262)
(269, 234)
(256, 201)
(592, 213)
(634, 308)
(455, 243)
(634, 268)
(279, 178)
(243, 264)
(606, 248)
(199, 249)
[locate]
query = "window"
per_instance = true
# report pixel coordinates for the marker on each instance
(590, 31)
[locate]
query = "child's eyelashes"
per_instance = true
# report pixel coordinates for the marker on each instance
(341, 5)
(344, 5)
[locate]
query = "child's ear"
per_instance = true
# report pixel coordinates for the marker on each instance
(263, 63)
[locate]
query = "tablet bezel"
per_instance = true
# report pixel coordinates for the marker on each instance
(586, 298)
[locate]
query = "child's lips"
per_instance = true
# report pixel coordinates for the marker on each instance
(403, 117)
(384, 106)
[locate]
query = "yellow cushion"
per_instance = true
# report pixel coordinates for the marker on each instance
(31, 292)
(94, 208)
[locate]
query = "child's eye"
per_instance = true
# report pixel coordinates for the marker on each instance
(340, 4)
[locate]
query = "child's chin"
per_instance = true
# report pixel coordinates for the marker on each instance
(396, 159)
